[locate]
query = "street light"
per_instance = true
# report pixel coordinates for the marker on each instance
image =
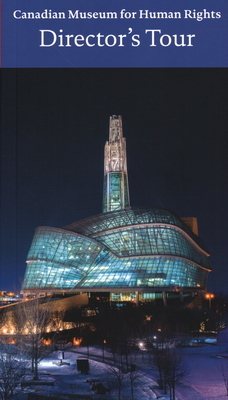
(209, 296)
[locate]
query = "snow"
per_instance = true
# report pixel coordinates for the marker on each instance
(204, 381)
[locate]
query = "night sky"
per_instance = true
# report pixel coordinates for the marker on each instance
(54, 127)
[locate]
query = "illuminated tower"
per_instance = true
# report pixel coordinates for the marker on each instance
(116, 192)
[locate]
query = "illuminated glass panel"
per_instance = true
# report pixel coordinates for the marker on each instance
(150, 272)
(131, 216)
(152, 240)
(44, 275)
(58, 258)
(126, 249)
(115, 194)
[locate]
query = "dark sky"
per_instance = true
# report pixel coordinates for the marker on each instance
(54, 127)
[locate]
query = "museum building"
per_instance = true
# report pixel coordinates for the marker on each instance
(131, 253)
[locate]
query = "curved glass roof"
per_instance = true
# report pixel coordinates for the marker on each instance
(125, 254)
(130, 216)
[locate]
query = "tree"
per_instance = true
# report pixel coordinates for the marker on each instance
(170, 366)
(159, 359)
(12, 371)
(175, 370)
(31, 320)
(57, 320)
(117, 376)
(134, 374)
(3, 318)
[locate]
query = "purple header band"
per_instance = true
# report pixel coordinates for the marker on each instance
(130, 33)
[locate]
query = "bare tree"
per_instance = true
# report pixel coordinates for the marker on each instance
(57, 318)
(117, 376)
(31, 320)
(175, 370)
(159, 360)
(134, 375)
(171, 367)
(3, 317)
(12, 371)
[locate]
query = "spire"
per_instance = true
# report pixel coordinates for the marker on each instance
(116, 192)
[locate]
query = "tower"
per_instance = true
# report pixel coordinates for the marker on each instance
(132, 253)
(116, 191)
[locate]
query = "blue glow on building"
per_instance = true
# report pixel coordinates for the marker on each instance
(122, 250)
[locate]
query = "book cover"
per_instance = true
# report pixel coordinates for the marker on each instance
(67, 66)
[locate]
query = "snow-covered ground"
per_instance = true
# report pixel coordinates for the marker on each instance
(204, 381)
(68, 379)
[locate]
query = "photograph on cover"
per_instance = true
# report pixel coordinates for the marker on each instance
(114, 188)
(55, 124)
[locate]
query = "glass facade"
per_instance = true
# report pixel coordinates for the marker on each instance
(148, 250)
(115, 193)
(122, 250)
(59, 259)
